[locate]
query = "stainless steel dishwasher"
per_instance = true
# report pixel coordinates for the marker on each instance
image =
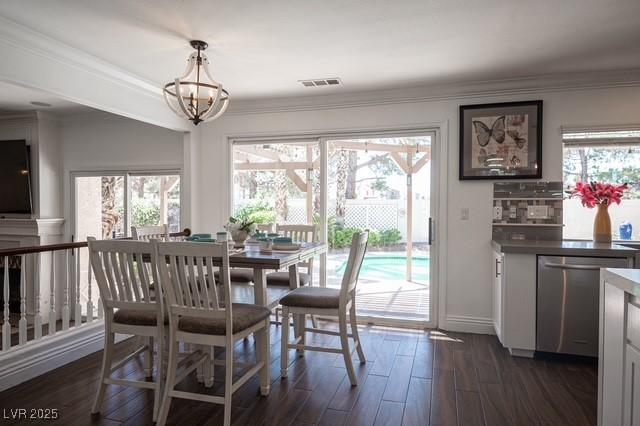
(568, 303)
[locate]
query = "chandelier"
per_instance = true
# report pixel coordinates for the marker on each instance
(195, 95)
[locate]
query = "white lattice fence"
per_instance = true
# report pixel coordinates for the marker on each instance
(364, 214)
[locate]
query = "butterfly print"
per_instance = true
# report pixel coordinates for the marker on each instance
(485, 133)
(515, 120)
(515, 135)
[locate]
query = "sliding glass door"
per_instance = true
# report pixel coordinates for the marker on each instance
(106, 205)
(343, 185)
(382, 184)
(277, 182)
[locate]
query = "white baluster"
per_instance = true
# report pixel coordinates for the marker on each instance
(90, 302)
(52, 296)
(6, 326)
(78, 314)
(65, 293)
(100, 307)
(22, 324)
(37, 319)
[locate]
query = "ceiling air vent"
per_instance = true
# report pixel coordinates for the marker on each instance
(334, 81)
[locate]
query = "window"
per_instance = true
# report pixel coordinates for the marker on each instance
(108, 204)
(611, 156)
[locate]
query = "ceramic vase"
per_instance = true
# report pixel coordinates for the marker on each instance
(602, 225)
(239, 237)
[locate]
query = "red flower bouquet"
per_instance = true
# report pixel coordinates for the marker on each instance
(595, 193)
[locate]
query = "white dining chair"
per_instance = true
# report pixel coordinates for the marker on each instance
(265, 227)
(147, 233)
(199, 315)
(327, 302)
(130, 307)
(299, 234)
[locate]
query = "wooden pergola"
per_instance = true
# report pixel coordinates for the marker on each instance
(402, 155)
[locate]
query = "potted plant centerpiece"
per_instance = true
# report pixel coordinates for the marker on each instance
(600, 195)
(240, 230)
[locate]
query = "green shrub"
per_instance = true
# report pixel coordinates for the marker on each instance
(145, 214)
(259, 212)
(390, 236)
(340, 236)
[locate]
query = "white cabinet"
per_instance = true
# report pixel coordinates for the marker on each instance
(631, 404)
(619, 359)
(497, 293)
(514, 301)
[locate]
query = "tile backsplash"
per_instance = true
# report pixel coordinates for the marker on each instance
(527, 211)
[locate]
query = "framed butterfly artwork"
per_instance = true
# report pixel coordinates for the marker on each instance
(501, 141)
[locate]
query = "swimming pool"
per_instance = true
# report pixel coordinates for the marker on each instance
(391, 268)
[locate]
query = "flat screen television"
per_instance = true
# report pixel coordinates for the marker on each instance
(15, 180)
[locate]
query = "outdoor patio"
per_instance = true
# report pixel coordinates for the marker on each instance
(382, 288)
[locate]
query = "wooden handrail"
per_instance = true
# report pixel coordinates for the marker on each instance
(66, 246)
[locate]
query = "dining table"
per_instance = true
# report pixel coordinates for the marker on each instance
(261, 261)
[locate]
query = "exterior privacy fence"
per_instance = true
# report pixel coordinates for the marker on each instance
(366, 214)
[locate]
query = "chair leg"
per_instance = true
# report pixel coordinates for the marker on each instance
(354, 331)
(171, 378)
(276, 312)
(106, 368)
(346, 353)
(228, 382)
(314, 323)
(302, 333)
(199, 369)
(157, 395)
(262, 348)
(284, 354)
(207, 366)
(148, 358)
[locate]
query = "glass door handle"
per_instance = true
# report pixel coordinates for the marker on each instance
(431, 239)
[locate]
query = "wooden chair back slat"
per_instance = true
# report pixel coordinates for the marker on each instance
(265, 227)
(185, 283)
(148, 233)
(302, 234)
(212, 287)
(354, 263)
(120, 273)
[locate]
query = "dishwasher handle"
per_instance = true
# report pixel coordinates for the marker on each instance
(574, 267)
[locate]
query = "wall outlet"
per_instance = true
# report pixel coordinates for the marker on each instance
(464, 213)
(538, 212)
(497, 213)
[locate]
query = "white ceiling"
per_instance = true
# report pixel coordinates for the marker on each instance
(17, 99)
(262, 48)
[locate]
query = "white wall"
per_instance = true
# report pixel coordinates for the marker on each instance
(105, 142)
(467, 260)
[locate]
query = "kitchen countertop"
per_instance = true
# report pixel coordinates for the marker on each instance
(627, 280)
(564, 248)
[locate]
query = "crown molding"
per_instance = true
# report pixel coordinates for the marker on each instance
(29, 117)
(477, 89)
(69, 71)
(25, 38)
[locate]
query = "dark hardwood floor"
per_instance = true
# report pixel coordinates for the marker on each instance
(411, 378)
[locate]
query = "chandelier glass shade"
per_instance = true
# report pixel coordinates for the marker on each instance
(195, 95)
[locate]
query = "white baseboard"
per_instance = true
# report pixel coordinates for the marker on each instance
(466, 324)
(50, 352)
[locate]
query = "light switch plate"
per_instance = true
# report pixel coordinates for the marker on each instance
(497, 212)
(464, 213)
(538, 212)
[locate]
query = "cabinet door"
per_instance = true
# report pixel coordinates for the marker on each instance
(497, 293)
(631, 405)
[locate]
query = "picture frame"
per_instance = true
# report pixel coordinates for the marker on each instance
(501, 141)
